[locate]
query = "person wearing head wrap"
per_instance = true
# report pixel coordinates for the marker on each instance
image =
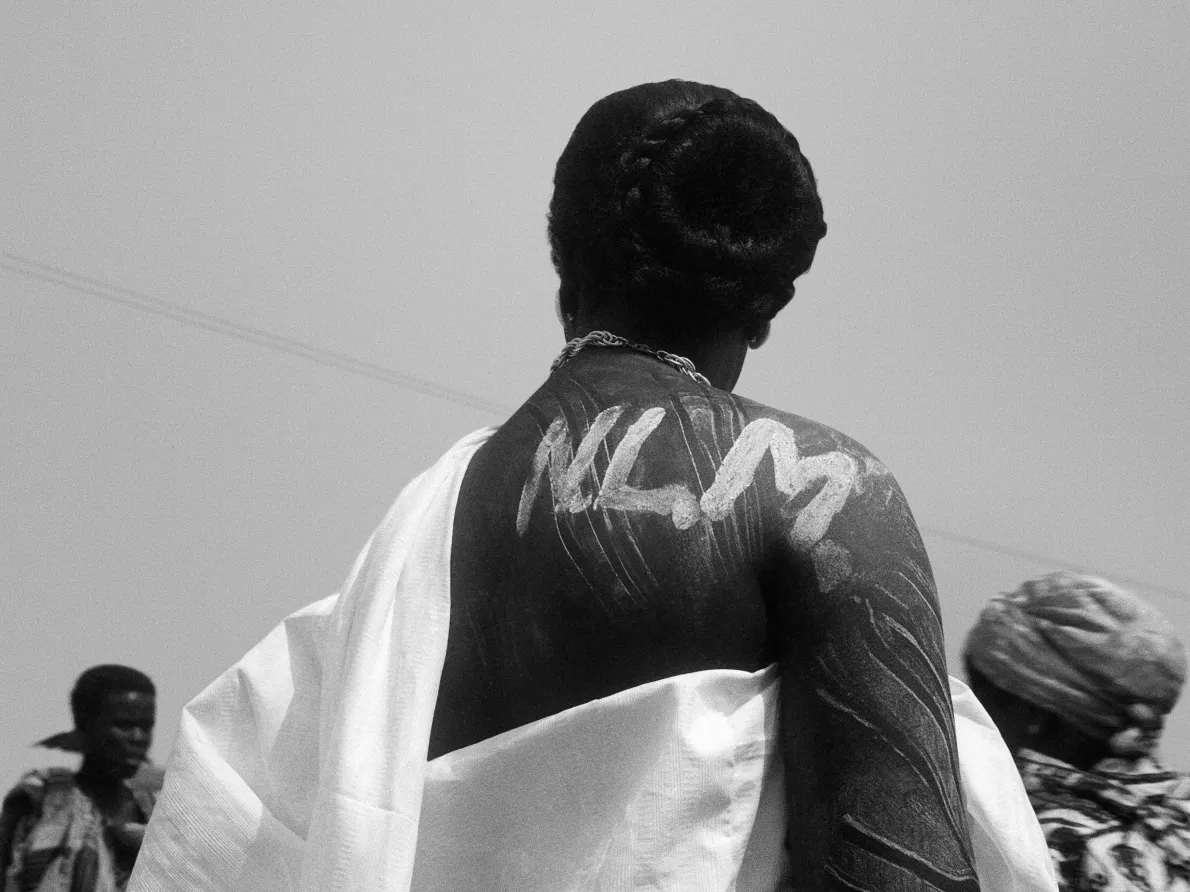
(63, 831)
(1079, 675)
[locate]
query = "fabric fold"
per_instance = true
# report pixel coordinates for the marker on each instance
(303, 767)
(1011, 854)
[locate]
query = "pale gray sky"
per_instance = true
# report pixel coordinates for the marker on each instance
(998, 310)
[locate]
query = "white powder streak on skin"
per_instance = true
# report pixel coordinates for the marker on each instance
(565, 470)
(791, 475)
(739, 465)
(871, 472)
(813, 520)
(554, 451)
(570, 496)
(674, 499)
(701, 409)
(627, 451)
(737, 472)
(832, 564)
(703, 418)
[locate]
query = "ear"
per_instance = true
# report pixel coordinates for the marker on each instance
(567, 302)
(757, 335)
(566, 307)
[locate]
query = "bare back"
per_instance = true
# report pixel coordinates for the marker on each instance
(628, 524)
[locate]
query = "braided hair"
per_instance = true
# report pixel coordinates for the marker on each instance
(692, 206)
(89, 697)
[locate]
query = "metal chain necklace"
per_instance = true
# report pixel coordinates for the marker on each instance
(607, 339)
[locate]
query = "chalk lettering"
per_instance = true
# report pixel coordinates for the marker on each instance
(792, 475)
(675, 500)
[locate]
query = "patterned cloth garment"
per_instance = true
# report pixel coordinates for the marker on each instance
(1123, 826)
(63, 828)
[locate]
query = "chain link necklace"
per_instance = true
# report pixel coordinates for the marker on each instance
(607, 339)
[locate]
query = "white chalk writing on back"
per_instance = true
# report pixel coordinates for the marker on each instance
(793, 474)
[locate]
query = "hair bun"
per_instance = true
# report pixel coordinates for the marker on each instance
(721, 214)
(711, 210)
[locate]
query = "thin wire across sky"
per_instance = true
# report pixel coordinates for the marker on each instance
(125, 297)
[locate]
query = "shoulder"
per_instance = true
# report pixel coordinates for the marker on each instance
(810, 455)
(723, 451)
(813, 437)
(840, 511)
(707, 414)
(28, 793)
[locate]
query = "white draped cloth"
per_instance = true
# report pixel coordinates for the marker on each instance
(303, 766)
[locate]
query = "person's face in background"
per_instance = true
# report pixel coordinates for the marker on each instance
(116, 740)
(1011, 715)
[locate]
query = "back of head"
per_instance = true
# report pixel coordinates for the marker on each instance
(690, 207)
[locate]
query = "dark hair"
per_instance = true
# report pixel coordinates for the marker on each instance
(689, 204)
(93, 686)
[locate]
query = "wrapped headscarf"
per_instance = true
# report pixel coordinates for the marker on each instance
(1085, 650)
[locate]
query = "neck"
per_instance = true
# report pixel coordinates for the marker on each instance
(97, 776)
(719, 357)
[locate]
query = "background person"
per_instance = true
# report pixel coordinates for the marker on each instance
(63, 831)
(1078, 675)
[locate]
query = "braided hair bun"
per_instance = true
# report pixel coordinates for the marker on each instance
(690, 205)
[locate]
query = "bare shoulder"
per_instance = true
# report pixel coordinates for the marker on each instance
(833, 494)
(710, 460)
(814, 437)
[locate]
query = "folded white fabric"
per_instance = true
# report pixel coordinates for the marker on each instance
(671, 785)
(303, 766)
(1010, 850)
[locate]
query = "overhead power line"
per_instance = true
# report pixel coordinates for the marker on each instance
(1045, 559)
(209, 322)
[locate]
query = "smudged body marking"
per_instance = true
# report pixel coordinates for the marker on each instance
(838, 470)
(553, 457)
(832, 563)
(571, 498)
(615, 494)
(566, 470)
(743, 458)
(793, 474)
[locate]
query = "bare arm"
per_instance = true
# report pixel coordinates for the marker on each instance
(867, 722)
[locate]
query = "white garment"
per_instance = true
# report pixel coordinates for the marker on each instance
(1010, 850)
(303, 767)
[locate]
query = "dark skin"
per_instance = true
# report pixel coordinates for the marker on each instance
(559, 598)
(115, 743)
(1023, 725)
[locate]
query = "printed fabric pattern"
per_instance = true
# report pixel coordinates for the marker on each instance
(1123, 826)
(63, 825)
